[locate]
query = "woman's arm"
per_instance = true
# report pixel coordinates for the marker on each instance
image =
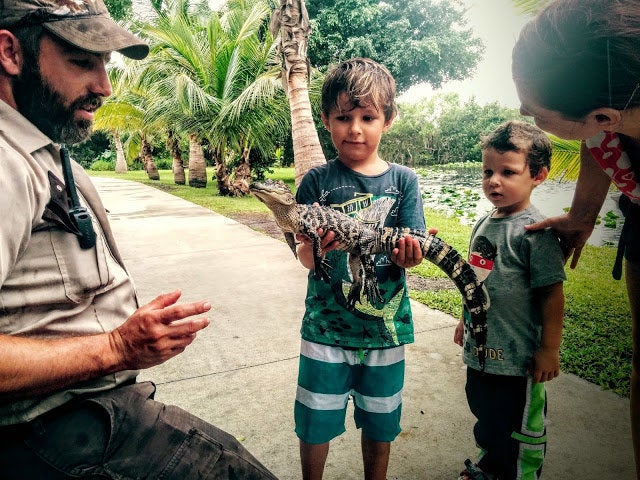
(575, 227)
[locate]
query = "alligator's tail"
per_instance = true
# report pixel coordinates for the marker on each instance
(444, 256)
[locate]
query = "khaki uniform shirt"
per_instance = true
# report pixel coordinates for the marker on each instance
(49, 286)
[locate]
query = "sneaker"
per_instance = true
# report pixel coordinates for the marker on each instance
(473, 472)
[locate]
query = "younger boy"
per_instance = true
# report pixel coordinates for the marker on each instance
(524, 274)
(357, 353)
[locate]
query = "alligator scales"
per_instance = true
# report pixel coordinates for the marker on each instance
(361, 242)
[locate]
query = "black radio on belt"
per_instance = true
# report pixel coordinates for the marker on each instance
(79, 214)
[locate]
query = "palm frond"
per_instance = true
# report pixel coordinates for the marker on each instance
(565, 160)
(530, 7)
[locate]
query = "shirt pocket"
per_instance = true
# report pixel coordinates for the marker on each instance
(83, 271)
(54, 270)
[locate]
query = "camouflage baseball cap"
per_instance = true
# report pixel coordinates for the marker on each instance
(85, 24)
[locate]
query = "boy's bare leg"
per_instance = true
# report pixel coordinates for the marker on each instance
(375, 456)
(313, 458)
(632, 273)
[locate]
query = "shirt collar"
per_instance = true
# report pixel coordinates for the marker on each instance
(21, 130)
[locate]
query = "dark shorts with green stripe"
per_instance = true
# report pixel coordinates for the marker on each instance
(511, 424)
(329, 375)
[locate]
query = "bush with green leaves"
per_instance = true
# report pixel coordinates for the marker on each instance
(102, 166)
(164, 163)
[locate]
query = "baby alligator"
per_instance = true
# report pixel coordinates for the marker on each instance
(361, 242)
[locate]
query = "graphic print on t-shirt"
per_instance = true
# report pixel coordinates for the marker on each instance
(372, 212)
(481, 257)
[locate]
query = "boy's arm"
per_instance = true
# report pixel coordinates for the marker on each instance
(458, 333)
(408, 252)
(546, 360)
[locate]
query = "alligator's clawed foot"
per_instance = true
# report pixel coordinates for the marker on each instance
(373, 292)
(354, 295)
(321, 270)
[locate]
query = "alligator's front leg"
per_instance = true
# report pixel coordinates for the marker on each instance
(370, 280)
(355, 267)
(363, 272)
(320, 269)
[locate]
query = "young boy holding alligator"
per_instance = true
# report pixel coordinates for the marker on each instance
(523, 273)
(358, 316)
(353, 346)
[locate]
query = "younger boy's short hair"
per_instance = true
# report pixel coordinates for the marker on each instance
(522, 137)
(365, 82)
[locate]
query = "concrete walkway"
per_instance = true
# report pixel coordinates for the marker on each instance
(240, 373)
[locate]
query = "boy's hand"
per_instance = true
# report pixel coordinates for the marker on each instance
(327, 239)
(546, 364)
(327, 243)
(458, 334)
(305, 247)
(408, 253)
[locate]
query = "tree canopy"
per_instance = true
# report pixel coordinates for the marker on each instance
(418, 40)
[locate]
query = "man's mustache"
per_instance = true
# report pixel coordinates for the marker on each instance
(88, 102)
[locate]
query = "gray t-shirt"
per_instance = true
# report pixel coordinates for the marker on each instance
(515, 263)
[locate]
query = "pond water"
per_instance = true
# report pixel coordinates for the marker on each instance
(458, 192)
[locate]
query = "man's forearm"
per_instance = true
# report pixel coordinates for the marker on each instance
(30, 366)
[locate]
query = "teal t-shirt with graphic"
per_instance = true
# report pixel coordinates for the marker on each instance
(391, 199)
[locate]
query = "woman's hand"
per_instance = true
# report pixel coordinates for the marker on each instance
(573, 234)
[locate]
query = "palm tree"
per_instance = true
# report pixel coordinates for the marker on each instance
(212, 77)
(291, 21)
(113, 124)
(124, 113)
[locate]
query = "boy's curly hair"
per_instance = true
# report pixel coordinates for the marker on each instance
(365, 82)
(522, 137)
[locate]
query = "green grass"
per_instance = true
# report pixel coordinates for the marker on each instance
(206, 197)
(596, 342)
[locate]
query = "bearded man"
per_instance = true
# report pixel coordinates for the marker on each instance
(72, 334)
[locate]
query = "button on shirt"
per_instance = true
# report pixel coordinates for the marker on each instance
(49, 286)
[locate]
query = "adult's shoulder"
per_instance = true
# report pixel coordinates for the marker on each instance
(19, 133)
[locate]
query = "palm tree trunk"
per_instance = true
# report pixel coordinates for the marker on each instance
(121, 162)
(242, 176)
(178, 165)
(197, 165)
(292, 21)
(148, 162)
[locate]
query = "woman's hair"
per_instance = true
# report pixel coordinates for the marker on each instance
(364, 81)
(521, 137)
(579, 55)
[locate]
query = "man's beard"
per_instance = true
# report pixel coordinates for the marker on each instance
(45, 108)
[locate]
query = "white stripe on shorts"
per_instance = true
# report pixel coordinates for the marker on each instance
(378, 404)
(321, 401)
(376, 357)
